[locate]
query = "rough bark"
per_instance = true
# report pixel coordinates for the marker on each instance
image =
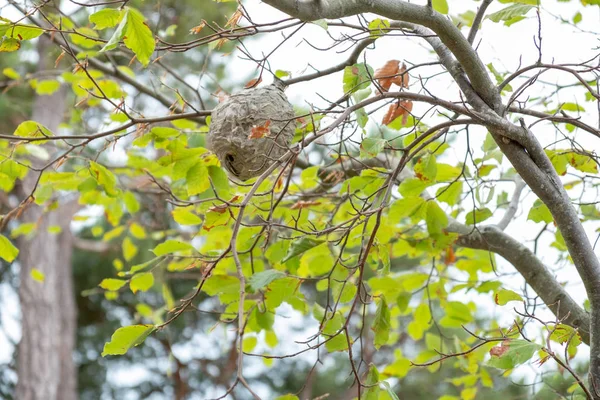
(46, 369)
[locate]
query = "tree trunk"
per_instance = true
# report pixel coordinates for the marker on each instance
(46, 369)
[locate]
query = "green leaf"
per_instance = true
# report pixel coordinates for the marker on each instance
(381, 324)
(262, 279)
(47, 87)
(20, 31)
(511, 353)
(322, 23)
(540, 213)
(141, 282)
(105, 178)
(378, 27)
(32, 129)
(371, 147)
(183, 216)
(127, 337)
(8, 251)
(426, 168)
(138, 37)
(450, 194)
(8, 45)
(403, 300)
(582, 162)
(436, 218)
(197, 180)
(510, 12)
(477, 216)
(112, 284)
(129, 249)
(106, 18)
(412, 187)
(404, 207)
(440, 6)
(131, 203)
(249, 343)
(172, 246)
(301, 246)
(457, 314)
(372, 390)
(287, 397)
(357, 77)
(503, 296)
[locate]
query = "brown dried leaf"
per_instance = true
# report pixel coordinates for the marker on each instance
(385, 74)
(196, 30)
(396, 110)
(402, 79)
(498, 351)
(450, 257)
(401, 109)
(260, 131)
(253, 82)
(235, 19)
(220, 209)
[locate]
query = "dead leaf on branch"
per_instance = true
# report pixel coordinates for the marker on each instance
(396, 110)
(235, 19)
(196, 30)
(253, 82)
(390, 73)
(498, 351)
(260, 131)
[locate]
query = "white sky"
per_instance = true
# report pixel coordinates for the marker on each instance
(506, 47)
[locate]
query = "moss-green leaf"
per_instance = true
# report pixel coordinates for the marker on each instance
(510, 12)
(262, 279)
(381, 324)
(436, 218)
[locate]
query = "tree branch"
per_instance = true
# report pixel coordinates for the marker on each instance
(514, 204)
(477, 20)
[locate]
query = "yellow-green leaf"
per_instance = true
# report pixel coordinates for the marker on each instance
(127, 337)
(129, 249)
(503, 296)
(106, 18)
(138, 36)
(112, 284)
(141, 282)
(172, 246)
(8, 251)
(37, 275)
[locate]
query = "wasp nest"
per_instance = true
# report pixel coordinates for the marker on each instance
(251, 130)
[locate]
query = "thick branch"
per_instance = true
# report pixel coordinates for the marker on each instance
(541, 280)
